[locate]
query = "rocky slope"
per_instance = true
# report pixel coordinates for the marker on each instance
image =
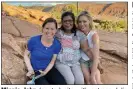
(31, 15)
(102, 11)
(117, 9)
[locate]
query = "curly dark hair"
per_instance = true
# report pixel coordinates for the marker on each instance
(68, 13)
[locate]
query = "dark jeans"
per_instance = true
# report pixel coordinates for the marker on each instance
(52, 77)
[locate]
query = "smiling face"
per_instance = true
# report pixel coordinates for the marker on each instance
(49, 30)
(83, 23)
(67, 23)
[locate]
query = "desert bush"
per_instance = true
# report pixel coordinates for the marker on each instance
(70, 7)
(118, 26)
(20, 6)
(122, 24)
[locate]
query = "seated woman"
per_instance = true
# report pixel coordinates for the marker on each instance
(43, 50)
(71, 40)
(89, 65)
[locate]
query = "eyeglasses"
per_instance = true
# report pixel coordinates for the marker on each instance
(65, 21)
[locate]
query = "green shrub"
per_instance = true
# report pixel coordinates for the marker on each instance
(20, 5)
(118, 26)
(70, 7)
(122, 24)
(118, 29)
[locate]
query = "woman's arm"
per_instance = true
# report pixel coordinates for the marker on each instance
(51, 64)
(86, 49)
(28, 63)
(95, 52)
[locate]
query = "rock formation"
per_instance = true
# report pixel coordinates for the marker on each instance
(15, 34)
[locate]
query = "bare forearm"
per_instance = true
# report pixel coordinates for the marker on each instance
(51, 64)
(88, 52)
(27, 62)
(94, 66)
(86, 49)
(95, 52)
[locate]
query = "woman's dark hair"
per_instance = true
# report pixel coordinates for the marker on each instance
(48, 20)
(68, 13)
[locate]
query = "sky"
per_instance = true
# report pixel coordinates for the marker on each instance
(42, 3)
(34, 3)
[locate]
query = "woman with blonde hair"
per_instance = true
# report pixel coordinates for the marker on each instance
(89, 66)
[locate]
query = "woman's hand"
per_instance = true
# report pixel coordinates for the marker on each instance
(42, 72)
(30, 73)
(93, 78)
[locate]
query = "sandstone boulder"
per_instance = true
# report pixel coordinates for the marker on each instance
(113, 43)
(8, 39)
(13, 67)
(115, 70)
(25, 28)
(8, 27)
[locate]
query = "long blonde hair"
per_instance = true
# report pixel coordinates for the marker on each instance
(85, 13)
